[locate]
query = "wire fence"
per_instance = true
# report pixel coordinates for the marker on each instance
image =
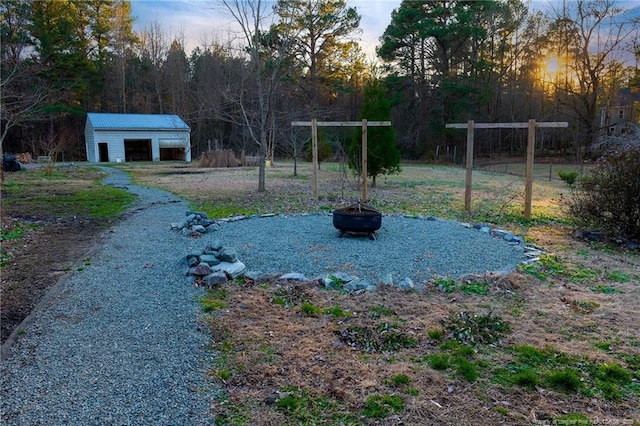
(541, 171)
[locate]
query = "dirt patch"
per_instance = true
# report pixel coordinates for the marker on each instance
(50, 221)
(38, 260)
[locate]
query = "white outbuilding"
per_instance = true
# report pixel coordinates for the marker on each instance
(136, 137)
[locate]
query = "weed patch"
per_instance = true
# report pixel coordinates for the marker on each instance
(448, 285)
(566, 379)
(382, 406)
(468, 328)
(213, 300)
(383, 337)
(606, 289)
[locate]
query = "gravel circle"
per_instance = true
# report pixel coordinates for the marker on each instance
(415, 248)
(119, 343)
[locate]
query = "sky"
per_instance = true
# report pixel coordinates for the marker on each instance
(204, 21)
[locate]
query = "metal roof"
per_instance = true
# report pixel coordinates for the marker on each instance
(106, 121)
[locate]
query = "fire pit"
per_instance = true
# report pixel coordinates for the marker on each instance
(357, 219)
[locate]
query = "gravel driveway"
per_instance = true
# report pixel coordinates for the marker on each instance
(118, 343)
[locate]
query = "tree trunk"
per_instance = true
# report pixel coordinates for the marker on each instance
(261, 172)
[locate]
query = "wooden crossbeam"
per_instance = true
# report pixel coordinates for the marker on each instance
(314, 124)
(341, 123)
(507, 125)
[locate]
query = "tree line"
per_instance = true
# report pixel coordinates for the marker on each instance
(437, 62)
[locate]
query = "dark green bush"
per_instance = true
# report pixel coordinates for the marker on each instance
(607, 199)
(568, 176)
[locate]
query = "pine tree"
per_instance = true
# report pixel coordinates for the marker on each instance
(383, 157)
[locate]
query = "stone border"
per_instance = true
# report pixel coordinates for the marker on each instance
(216, 264)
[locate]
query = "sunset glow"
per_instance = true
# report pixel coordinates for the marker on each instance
(552, 65)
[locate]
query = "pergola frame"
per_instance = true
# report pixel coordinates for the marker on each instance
(531, 125)
(314, 124)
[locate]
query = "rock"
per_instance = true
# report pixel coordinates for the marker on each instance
(272, 398)
(189, 233)
(532, 252)
(192, 261)
(199, 215)
(258, 276)
(506, 235)
(195, 253)
(485, 229)
(337, 280)
(209, 259)
(357, 284)
(227, 255)
(235, 269)
(387, 279)
(214, 279)
(517, 240)
(406, 283)
(233, 218)
(202, 269)
(198, 228)
(293, 276)
(190, 217)
(214, 246)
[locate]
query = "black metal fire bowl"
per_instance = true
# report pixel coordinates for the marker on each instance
(358, 219)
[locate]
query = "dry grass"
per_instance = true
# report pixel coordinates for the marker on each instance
(293, 353)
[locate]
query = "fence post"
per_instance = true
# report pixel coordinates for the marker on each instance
(364, 161)
(469, 165)
(528, 185)
(314, 149)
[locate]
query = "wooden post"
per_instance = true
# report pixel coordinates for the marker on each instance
(528, 184)
(364, 161)
(469, 165)
(314, 149)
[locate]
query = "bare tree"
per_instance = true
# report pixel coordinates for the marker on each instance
(266, 57)
(591, 32)
(154, 48)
